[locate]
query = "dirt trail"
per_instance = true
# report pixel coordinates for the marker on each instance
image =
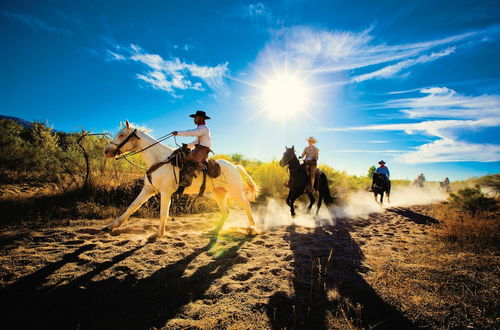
(73, 276)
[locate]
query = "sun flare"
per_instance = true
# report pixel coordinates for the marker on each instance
(285, 94)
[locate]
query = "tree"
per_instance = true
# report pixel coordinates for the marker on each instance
(371, 170)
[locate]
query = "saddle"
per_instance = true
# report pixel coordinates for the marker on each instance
(178, 159)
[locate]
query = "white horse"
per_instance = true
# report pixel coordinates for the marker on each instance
(164, 179)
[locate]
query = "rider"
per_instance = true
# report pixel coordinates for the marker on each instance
(311, 154)
(199, 155)
(421, 180)
(383, 169)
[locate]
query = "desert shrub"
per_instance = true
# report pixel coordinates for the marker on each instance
(272, 178)
(465, 231)
(491, 182)
(472, 201)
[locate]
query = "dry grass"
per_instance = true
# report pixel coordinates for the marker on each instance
(462, 230)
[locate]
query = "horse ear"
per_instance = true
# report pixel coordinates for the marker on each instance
(286, 147)
(293, 148)
(127, 123)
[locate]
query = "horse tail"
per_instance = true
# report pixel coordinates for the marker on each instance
(324, 189)
(253, 188)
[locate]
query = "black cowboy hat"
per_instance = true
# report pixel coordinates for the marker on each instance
(381, 162)
(201, 114)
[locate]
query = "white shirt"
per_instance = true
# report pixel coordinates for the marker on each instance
(202, 134)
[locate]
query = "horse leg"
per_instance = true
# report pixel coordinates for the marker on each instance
(381, 198)
(165, 200)
(240, 198)
(293, 197)
(144, 195)
(311, 202)
(220, 196)
(388, 197)
(320, 200)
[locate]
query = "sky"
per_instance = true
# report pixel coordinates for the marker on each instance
(415, 83)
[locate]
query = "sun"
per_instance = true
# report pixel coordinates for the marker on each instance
(284, 94)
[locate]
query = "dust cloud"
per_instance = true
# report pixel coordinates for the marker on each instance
(276, 213)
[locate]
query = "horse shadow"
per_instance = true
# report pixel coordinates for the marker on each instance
(418, 218)
(113, 303)
(325, 259)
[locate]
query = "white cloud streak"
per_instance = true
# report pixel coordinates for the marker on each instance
(172, 75)
(469, 113)
(34, 22)
(323, 51)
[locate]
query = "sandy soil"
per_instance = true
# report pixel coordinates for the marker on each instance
(72, 275)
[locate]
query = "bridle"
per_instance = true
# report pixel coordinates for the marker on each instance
(130, 136)
(121, 144)
(288, 162)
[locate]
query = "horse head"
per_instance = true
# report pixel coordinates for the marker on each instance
(125, 140)
(378, 179)
(287, 156)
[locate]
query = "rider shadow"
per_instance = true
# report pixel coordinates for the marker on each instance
(418, 218)
(131, 302)
(328, 259)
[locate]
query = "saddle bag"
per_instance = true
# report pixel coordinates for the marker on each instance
(213, 168)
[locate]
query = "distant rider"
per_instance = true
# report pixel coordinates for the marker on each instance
(421, 180)
(199, 155)
(384, 170)
(310, 156)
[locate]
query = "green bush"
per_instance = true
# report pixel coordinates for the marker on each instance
(472, 201)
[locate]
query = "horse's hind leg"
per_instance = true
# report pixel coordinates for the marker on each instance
(388, 197)
(311, 202)
(240, 198)
(144, 195)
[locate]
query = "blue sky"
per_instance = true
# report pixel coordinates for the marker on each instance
(415, 83)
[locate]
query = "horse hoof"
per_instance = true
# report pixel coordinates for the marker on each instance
(252, 231)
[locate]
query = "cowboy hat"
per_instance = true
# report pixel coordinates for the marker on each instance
(201, 114)
(313, 140)
(381, 162)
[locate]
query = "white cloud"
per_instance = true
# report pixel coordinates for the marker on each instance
(173, 74)
(393, 69)
(469, 113)
(449, 150)
(323, 51)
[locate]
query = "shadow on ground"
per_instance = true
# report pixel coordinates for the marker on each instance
(325, 259)
(111, 303)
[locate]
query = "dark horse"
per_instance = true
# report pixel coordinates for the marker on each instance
(299, 180)
(381, 184)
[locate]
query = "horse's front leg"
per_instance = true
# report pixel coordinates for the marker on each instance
(144, 195)
(381, 198)
(311, 202)
(165, 199)
(388, 197)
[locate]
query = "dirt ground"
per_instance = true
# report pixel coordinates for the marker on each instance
(349, 273)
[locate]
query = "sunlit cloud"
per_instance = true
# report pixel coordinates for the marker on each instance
(470, 113)
(325, 51)
(172, 75)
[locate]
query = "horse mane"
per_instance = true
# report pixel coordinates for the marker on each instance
(143, 129)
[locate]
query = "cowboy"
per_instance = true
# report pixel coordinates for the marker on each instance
(199, 155)
(384, 170)
(311, 154)
(421, 180)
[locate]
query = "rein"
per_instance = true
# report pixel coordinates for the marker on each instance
(289, 166)
(130, 136)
